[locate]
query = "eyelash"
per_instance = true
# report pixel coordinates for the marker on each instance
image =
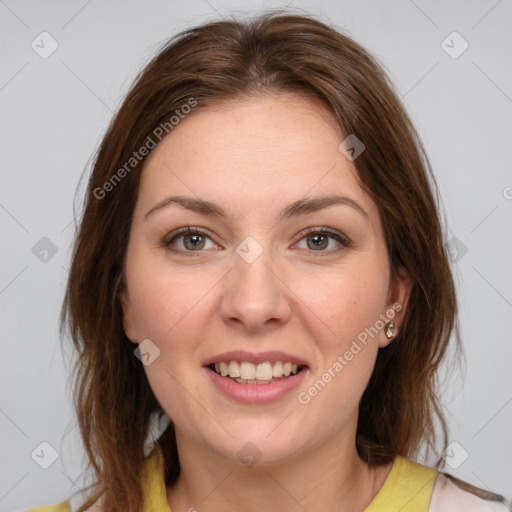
(343, 240)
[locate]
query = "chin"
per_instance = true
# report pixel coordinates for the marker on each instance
(259, 448)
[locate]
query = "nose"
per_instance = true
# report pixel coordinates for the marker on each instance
(255, 295)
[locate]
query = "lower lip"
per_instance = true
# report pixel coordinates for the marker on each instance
(256, 393)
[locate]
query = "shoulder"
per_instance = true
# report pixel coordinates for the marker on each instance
(59, 507)
(154, 488)
(66, 506)
(451, 495)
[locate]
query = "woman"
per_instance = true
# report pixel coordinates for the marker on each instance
(261, 260)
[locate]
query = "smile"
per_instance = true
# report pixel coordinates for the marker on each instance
(245, 372)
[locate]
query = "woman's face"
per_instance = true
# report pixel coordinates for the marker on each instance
(252, 287)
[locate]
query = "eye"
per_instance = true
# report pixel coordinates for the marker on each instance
(317, 239)
(194, 240)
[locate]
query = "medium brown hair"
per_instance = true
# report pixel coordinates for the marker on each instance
(272, 53)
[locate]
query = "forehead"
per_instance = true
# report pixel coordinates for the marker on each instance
(264, 150)
(255, 126)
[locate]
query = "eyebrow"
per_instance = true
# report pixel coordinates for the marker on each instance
(296, 209)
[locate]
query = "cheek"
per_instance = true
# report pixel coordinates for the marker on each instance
(164, 298)
(349, 307)
(166, 309)
(346, 301)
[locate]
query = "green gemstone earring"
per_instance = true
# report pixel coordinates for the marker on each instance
(389, 329)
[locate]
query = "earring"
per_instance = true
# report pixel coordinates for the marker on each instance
(390, 329)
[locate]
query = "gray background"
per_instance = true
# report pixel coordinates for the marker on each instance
(54, 111)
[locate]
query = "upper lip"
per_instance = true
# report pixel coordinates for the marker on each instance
(255, 358)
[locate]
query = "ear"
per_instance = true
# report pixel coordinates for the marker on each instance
(398, 298)
(128, 315)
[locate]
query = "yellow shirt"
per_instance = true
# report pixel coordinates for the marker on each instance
(408, 488)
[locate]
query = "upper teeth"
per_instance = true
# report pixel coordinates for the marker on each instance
(250, 371)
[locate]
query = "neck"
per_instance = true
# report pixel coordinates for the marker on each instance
(328, 477)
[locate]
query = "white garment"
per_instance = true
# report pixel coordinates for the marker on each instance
(449, 497)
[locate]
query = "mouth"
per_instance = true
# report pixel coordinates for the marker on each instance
(246, 372)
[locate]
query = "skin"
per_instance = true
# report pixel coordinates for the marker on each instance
(254, 157)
